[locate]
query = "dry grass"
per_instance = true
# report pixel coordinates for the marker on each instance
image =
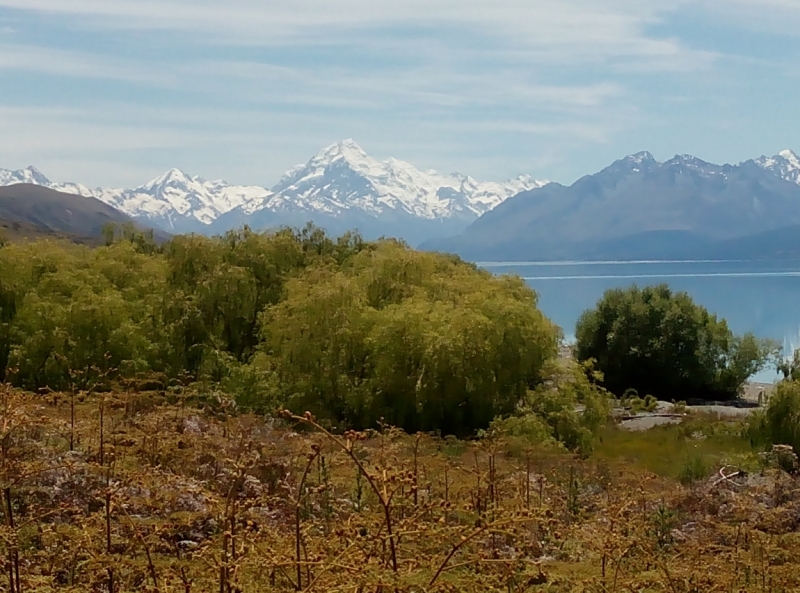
(164, 497)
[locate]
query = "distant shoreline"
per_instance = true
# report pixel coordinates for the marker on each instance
(613, 262)
(626, 262)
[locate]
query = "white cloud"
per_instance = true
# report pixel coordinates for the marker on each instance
(558, 29)
(435, 85)
(432, 80)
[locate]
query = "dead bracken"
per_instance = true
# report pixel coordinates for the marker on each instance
(248, 505)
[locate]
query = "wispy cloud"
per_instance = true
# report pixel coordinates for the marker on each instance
(244, 88)
(555, 29)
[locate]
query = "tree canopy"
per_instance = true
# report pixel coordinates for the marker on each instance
(356, 332)
(419, 340)
(661, 343)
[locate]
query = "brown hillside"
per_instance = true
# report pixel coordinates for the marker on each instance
(33, 212)
(15, 231)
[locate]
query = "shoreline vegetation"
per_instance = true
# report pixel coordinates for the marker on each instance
(289, 412)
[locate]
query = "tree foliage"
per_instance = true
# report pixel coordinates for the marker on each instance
(416, 340)
(663, 344)
(567, 409)
(779, 422)
(357, 332)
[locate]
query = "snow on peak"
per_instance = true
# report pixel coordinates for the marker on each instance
(181, 199)
(36, 175)
(290, 174)
(340, 178)
(29, 174)
(640, 157)
(786, 165)
(634, 163)
(343, 177)
(346, 154)
(687, 159)
(688, 162)
(171, 177)
(346, 150)
(791, 157)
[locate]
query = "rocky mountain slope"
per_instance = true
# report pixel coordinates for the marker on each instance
(641, 208)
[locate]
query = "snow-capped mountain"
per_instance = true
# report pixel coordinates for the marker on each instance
(33, 176)
(342, 177)
(172, 202)
(341, 187)
(176, 202)
(786, 164)
(30, 175)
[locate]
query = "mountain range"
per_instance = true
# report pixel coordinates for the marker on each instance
(640, 208)
(340, 188)
(636, 208)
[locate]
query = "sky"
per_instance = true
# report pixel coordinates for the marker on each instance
(114, 92)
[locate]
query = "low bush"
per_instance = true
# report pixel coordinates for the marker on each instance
(568, 408)
(694, 469)
(779, 422)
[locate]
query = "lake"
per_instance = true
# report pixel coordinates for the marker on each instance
(762, 297)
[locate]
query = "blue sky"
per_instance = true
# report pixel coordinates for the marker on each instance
(114, 92)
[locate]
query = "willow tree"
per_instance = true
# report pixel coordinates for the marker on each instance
(422, 341)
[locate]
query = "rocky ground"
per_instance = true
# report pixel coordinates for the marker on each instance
(755, 394)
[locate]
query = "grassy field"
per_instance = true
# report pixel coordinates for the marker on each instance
(667, 450)
(176, 492)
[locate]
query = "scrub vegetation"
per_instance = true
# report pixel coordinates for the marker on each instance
(288, 412)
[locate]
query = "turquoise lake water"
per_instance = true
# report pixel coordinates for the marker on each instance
(756, 296)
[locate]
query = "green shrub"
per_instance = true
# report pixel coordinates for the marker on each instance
(416, 340)
(779, 422)
(655, 341)
(567, 408)
(694, 469)
(662, 523)
(678, 407)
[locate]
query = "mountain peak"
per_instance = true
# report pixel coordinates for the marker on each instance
(36, 175)
(790, 156)
(174, 176)
(347, 149)
(786, 165)
(688, 160)
(634, 163)
(640, 157)
(343, 177)
(29, 174)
